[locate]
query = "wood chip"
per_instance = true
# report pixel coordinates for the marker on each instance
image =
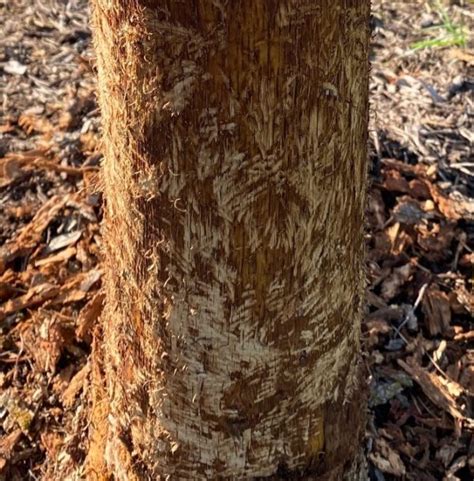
(437, 310)
(76, 384)
(7, 445)
(30, 235)
(88, 316)
(437, 392)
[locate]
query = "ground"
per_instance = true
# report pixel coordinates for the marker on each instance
(418, 329)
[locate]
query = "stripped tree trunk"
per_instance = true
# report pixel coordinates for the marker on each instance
(235, 166)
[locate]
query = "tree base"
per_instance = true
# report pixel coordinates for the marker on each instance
(355, 471)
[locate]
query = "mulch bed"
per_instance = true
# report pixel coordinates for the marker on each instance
(418, 330)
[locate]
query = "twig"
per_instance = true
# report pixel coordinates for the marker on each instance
(411, 312)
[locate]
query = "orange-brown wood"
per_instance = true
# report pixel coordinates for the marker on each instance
(235, 175)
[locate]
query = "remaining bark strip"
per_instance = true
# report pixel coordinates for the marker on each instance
(235, 146)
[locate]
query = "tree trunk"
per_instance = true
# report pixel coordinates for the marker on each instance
(235, 176)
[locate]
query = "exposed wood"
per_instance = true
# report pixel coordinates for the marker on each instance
(235, 146)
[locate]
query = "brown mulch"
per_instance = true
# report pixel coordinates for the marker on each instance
(418, 328)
